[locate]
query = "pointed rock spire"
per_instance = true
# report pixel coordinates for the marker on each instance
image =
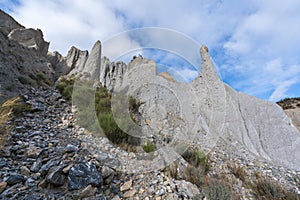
(208, 68)
(92, 65)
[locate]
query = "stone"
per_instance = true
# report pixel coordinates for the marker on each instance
(187, 188)
(129, 193)
(71, 148)
(33, 152)
(14, 179)
(30, 183)
(2, 186)
(126, 186)
(7, 23)
(20, 129)
(43, 183)
(36, 165)
(83, 174)
(87, 192)
(67, 169)
(106, 172)
(45, 168)
(56, 177)
(37, 107)
(25, 171)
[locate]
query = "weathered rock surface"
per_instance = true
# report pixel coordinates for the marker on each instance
(294, 114)
(7, 23)
(30, 38)
(22, 58)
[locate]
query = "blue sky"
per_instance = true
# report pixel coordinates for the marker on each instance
(255, 44)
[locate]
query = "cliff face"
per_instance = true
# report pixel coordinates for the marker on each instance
(201, 112)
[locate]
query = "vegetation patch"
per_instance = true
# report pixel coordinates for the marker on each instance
(265, 189)
(25, 80)
(42, 78)
(238, 171)
(219, 189)
(12, 107)
(149, 147)
(98, 111)
(289, 103)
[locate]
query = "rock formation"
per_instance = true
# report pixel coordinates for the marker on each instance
(202, 111)
(30, 38)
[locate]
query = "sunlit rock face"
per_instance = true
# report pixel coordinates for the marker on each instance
(200, 112)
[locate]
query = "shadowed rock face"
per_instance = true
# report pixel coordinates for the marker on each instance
(7, 23)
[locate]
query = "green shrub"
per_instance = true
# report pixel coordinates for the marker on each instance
(97, 111)
(41, 77)
(25, 80)
(196, 158)
(65, 87)
(217, 189)
(11, 87)
(111, 129)
(149, 147)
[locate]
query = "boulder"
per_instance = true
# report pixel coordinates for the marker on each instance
(82, 175)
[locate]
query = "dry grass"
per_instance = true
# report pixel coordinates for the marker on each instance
(238, 171)
(8, 109)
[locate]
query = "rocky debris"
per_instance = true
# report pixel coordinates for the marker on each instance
(30, 38)
(75, 164)
(47, 160)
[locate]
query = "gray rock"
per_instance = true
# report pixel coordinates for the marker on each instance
(92, 65)
(71, 148)
(37, 107)
(82, 175)
(30, 182)
(45, 168)
(14, 179)
(187, 189)
(76, 60)
(56, 176)
(37, 165)
(7, 23)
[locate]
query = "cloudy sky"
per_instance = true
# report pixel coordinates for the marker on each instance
(255, 44)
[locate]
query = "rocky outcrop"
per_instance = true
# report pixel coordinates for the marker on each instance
(30, 38)
(93, 67)
(206, 110)
(7, 23)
